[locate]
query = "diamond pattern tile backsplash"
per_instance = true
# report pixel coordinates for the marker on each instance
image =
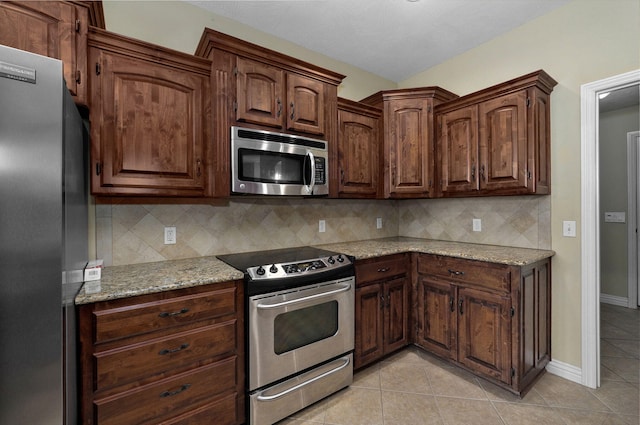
(130, 234)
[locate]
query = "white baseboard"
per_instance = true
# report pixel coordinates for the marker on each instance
(614, 299)
(565, 370)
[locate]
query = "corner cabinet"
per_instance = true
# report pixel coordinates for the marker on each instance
(492, 319)
(175, 357)
(259, 88)
(496, 141)
(382, 307)
(408, 151)
(57, 29)
(359, 144)
(150, 120)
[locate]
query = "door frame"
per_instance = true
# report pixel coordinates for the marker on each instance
(590, 224)
(633, 162)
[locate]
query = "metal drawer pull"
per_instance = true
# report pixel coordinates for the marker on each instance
(460, 306)
(175, 313)
(305, 383)
(385, 269)
(175, 350)
(455, 272)
(176, 392)
(299, 300)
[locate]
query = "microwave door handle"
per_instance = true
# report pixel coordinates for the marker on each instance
(312, 162)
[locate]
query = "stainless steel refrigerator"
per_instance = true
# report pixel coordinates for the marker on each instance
(43, 239)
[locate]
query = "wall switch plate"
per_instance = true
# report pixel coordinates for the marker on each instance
(170, 236)
(322, 226)
(379, 223)
(477, 225)
(569, 229)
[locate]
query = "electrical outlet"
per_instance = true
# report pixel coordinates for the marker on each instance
(170, 235)
(322, 226)
(477, 225)
(379, 223)
(569, 229)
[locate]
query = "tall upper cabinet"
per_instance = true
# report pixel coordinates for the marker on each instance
(258, 88)
(408, 148)
(496, 141)
(56, 29)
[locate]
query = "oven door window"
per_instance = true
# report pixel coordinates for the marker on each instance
(295, 329)
(270, 167)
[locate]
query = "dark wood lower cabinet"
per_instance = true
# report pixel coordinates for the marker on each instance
(492, 319)
(175, 357)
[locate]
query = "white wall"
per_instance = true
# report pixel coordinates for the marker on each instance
(584, 41)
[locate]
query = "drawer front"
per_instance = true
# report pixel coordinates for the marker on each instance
(386, 267)
(129, 364)
(130, 320)
(168, 398)
(477, 273)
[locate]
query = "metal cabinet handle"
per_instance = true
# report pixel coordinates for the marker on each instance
(279, 112)
(460, 306)
(176, 392)
(174, 350)
(451, 304)
(482, 176)
(293, 111)
(382, 302)
(455, 272)
(175, 313)
(473, 173)
(383, 270)
(198, 172)
(302, 384)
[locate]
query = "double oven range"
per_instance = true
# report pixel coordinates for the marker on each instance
(299, 328)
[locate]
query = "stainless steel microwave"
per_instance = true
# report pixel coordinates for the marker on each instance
(269, 163)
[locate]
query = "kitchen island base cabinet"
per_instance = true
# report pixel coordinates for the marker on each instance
(382, 307)
(175, 357)
(492, 319)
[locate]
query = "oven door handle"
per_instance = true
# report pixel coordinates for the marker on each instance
(345, 363)
(307, 298)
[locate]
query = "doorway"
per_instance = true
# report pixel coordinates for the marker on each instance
(633, 242)
(590, 224)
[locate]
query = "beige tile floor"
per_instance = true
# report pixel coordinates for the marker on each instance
(415, 388)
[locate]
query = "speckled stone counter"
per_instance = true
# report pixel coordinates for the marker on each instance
(491, 253)
(147, 278)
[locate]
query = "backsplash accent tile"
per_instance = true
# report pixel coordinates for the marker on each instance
(132, 234)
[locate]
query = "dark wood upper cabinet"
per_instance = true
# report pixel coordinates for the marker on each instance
(359, 144)
(150, 120)
(496, 141)
(408, 148)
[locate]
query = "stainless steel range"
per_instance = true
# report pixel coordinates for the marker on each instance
(299, 327)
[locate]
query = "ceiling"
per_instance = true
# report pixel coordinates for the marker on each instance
(620, 98)
(394, 39)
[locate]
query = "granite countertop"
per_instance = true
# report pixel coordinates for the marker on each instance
(147, 278)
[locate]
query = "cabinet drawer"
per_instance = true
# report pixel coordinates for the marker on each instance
(129, 364)
(385, 267)
(168, 398)
(478, 273)
(224, 410)
(129, 320)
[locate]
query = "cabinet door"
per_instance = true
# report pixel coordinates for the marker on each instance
(436, 316)
(305, 105)
(409, 147)
(369, 329)
(50, 28)
(259, 93)
(147, 127)
(396, 314)
(457, 148)
(539, 142)
(484, 333)
(503, 142)
(358, 144)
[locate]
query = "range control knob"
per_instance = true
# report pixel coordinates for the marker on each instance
(260, 271)
(330, 260)
(340, 258)
(273, 269)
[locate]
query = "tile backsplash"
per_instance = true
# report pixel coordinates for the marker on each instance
(130, 234)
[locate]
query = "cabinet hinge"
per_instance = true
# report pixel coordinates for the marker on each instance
(513, 372)
(528, 102)
(235, 71)
(77, 25)
(513, 311)
(235, 106)
(98, 70)
(529, 175)
(98, 168)
(78, 77)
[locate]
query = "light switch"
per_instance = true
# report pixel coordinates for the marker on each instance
(569, 229)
